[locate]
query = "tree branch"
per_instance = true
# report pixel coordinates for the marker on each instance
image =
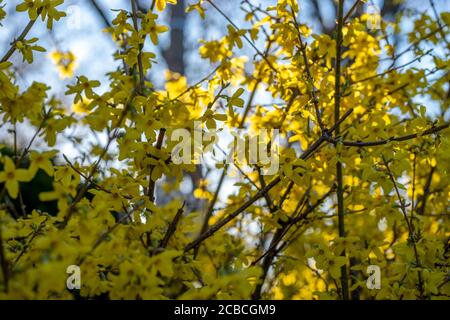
(101, 13)
(172, 227)
(139, 57)
(385, 141)
(308, 152)
(339, 173)
(21, 37)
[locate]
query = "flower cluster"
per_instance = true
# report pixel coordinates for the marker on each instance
(363, 178)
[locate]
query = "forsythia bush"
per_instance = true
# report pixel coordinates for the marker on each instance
(363, 179)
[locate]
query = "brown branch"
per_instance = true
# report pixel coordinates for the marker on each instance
(273, 251)
(439, 22)
(248, 106)
(89, 179)
(101, 14)
(339, 169)
(213, 229)
(209, 75)
(151, 183)
(172, 227)
(426, 192)
(413, 189)
(386, 141)
(318, 12)
(270, 253)
(306, 154)
(94, 168)
(286, 193)
(269, 202)
(414, 44)
(352, 9)
(247, 204)
(298, 216)
(303, 219)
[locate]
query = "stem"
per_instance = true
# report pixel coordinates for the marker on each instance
(3, 262)
(94, 167)
(314, 147)
(413, 189)
(439, 22)
(306, 154)
(244, 36)
(412, 235)
(30, 143)
(172, 227)
(20, 38)
(386, 141)
(352, 9)
(139, 57)
(212, 230)
(426, 192)
(299, 215)
(151, 183)
(313, 90)
(248, 106)
(339, 171)
(101, 13)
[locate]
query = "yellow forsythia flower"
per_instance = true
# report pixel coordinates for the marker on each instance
(65, 62)
(161, 4)
(12, 176)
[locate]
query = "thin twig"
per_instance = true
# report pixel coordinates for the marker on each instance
(412, 235)
(94, 167)
(21, 37)
(313, 90)
(172, 227)
(392, 139)
(151, 183)
(426, 192)
(27, 246)
(244, 36)
(413, 189)
(352, 9)
(139, 57)
(213, 201)
(392, 69)
(4, 263)
(306, 154)
(101, 13)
